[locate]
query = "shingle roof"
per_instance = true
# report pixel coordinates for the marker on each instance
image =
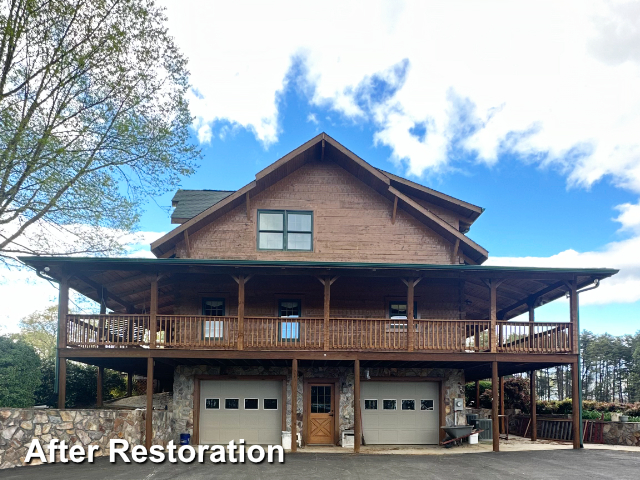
(189, 203)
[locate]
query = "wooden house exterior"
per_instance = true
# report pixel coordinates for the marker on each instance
(324, 296)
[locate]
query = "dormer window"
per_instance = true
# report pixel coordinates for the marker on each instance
(285, 230)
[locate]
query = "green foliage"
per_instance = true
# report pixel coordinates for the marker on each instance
(470, 392)
(82, 381)
(20, 373)
(94, 120)
(39, 330)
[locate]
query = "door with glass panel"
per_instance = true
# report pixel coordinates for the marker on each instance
(321, 423)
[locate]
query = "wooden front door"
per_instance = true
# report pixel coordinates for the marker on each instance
(321, 412)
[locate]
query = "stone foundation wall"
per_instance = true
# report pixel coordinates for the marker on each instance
(18, 427)
(184, 377)
(619, 433)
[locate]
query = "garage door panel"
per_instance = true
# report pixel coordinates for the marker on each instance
(400, 426)
(220, 426)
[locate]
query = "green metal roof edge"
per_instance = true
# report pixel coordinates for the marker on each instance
(296, 263)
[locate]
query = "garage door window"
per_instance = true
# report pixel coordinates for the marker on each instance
(371, 404)
(231, 403)
(270, 404)
(408, 404)
(251, 404)
(426, 405)
(212, 403)
(389, 405)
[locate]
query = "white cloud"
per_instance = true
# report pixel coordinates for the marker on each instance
(629, 217)
(621, 288)
(554, 81)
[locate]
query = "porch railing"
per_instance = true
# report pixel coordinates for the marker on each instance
(343, 334)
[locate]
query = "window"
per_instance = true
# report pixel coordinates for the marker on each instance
(289, 330)
(371, 404)
(251, 404)
(270, 404)
(408, 404)
(389, 404)
(231, 403)
(399, 309)
(212, 403)
(213, 307)
(285, 230)
(426, 405)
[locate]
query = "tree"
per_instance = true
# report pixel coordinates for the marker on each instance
(19, 373)
(93, 121)
(38, 329)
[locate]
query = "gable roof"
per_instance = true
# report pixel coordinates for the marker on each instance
(189, 203)
(324, 147)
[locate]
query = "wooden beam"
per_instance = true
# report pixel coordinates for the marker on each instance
(187, 244)
(494, 407)
(534, 401)
(454, 255)
(98, 287)
(294, 405)
(573, 312)
(327, 311)
(536, 295)
(63, 311)
(129, 384)
(410, 314)
(493, 295)
(502, 403)
(395, 210)
(575, 404)
(241, 312)
(322, 154)
(153, 313)
(532, 318)
(135, 278)
(99, 387)
(477, 393)
(248, 201)
(356, 407)
(62, 383)
(148, 437)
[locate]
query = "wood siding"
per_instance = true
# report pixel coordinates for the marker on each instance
(352, 222)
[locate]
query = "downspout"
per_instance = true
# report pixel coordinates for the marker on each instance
(57, 363)
(596, 284)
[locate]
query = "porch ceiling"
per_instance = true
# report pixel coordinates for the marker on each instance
(125, 282)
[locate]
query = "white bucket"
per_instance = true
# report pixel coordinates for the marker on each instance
(473, 439)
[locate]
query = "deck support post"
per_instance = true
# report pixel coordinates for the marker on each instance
(493, 315)
(477, 393)
(153, 313)
(129, 384)
(327, 307)
(99, 387)
(148, 436)
(575, 405)
(534, 401)
(63, 310)
(502, 405)
(294, 405)
(411, 283)
(241, 315)
(357, 435)
(573, 309)
(494, 407)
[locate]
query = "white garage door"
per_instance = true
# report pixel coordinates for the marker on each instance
(241, 409)
(403, 413)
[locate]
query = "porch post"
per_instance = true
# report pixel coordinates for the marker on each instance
(573, 306)
(129, 383)
(241, 314)
(148, 437)
(410, 313)
(99, 387)
(327, 307)
(575, 405)
(63, 310)
(532, 306)
(153, 313)
(534, 414)
(356, 407)
(494, 407)
(493, 339)
(502, 404)
(103, 311)
(294, 405)
(477, 393)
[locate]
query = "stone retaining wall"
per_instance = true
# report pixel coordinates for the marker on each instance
(77, 427)
(619, 433)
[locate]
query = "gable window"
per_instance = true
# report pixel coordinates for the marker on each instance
(213, 307)
(285, 230)
(289, 329)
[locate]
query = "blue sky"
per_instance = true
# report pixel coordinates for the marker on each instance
(498, 103)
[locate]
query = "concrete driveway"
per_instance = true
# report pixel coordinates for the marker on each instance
(558, 464)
